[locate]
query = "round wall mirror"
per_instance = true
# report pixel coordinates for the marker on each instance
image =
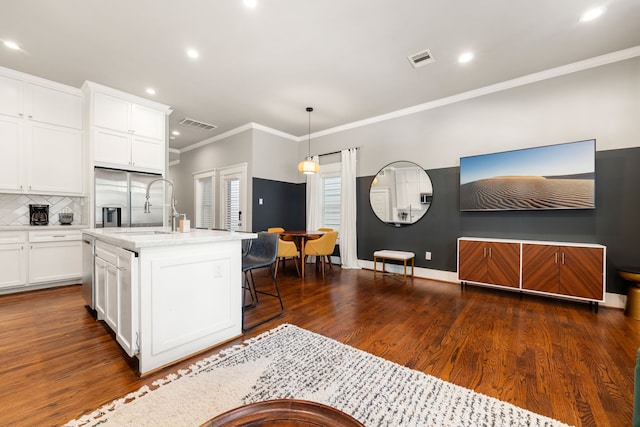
(401, 194)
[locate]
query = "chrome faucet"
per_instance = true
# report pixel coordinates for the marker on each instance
(174, 213)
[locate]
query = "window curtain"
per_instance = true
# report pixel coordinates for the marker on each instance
(313, 198)
(348, 232)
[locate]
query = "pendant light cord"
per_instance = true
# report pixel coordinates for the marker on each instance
(309, 110)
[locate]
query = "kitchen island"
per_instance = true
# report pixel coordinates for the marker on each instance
(167, 295)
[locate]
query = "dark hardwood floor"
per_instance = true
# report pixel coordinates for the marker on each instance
(552, 357)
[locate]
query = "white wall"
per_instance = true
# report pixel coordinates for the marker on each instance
(275, 157)
(601, 103)
(230, 151)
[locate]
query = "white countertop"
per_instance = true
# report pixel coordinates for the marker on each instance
(42, 227)
(143, 237)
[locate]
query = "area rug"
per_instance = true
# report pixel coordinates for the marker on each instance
(290, 362)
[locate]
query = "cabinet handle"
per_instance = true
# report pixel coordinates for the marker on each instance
(21, 114)
(484, 252)
(30, 116)
(562, 258)
(489, 252)
(556, 257)
(58, 235)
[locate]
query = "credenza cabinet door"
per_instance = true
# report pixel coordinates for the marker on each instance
(495, 263)
(540, 268)
(581, 272)
(564, 270)
(472, 261)
(504, 264)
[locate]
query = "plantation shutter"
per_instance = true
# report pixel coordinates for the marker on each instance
(233, 214)
(204, 203)
(331, 186)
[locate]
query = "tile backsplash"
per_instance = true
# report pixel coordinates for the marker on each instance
(14, 208)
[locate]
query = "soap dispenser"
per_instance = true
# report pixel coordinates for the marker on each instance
(185, 224)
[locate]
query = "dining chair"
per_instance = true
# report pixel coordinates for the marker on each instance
(262, 253)
(323, 248)
(279, 230)
(286, 249)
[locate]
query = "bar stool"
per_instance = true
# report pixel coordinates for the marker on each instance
(262, 253)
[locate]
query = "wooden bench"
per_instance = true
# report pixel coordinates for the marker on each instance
(396, 256)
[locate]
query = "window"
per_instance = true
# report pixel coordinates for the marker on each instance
(204, 195)
(330, 187)
(232, 203)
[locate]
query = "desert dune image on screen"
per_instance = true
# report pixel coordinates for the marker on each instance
(553, 177)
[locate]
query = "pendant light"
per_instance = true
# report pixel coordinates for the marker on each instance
(308, 166)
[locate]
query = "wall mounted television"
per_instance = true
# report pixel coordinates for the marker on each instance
(560, 176)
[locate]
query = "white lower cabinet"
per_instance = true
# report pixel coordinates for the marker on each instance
(116, 287)
(13, 259)
(54, 256)
(39, 258)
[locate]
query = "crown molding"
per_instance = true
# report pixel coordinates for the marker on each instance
(563, 70)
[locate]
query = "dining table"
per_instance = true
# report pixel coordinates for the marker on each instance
(300, 237)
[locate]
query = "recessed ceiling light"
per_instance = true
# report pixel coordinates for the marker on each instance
(151, 91)
(250, 3)
(12, 45)
(193, 54)
(592, 14)
(175, 132)
(465, 57)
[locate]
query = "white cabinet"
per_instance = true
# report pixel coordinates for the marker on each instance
(124, 116)
(31, 98)
(50, 257)
(55, 256)
(118, 149)
(55, 160)
(40, 136)
(116, 287)
(11, 160)
(11, 100)
(13, 259)
(127, 132)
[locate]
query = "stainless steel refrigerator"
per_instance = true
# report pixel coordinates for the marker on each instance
(120, 198)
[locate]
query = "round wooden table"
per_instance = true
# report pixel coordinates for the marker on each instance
(284, 412)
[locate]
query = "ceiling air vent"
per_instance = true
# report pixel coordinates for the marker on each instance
(196, 124)
(421, 58)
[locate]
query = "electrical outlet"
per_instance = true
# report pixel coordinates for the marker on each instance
(427, 256)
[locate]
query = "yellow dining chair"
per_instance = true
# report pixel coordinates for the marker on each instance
(286, 249)
(322, 248)
(323, 229)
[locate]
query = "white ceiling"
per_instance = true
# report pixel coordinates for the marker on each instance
(346, 58)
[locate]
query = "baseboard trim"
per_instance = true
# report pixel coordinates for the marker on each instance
(610, 300)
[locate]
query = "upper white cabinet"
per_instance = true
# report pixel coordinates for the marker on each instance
(126, 132)
(40, 136)
(42, 101)
(11, 99)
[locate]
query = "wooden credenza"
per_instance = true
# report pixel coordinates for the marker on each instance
(560, 269)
